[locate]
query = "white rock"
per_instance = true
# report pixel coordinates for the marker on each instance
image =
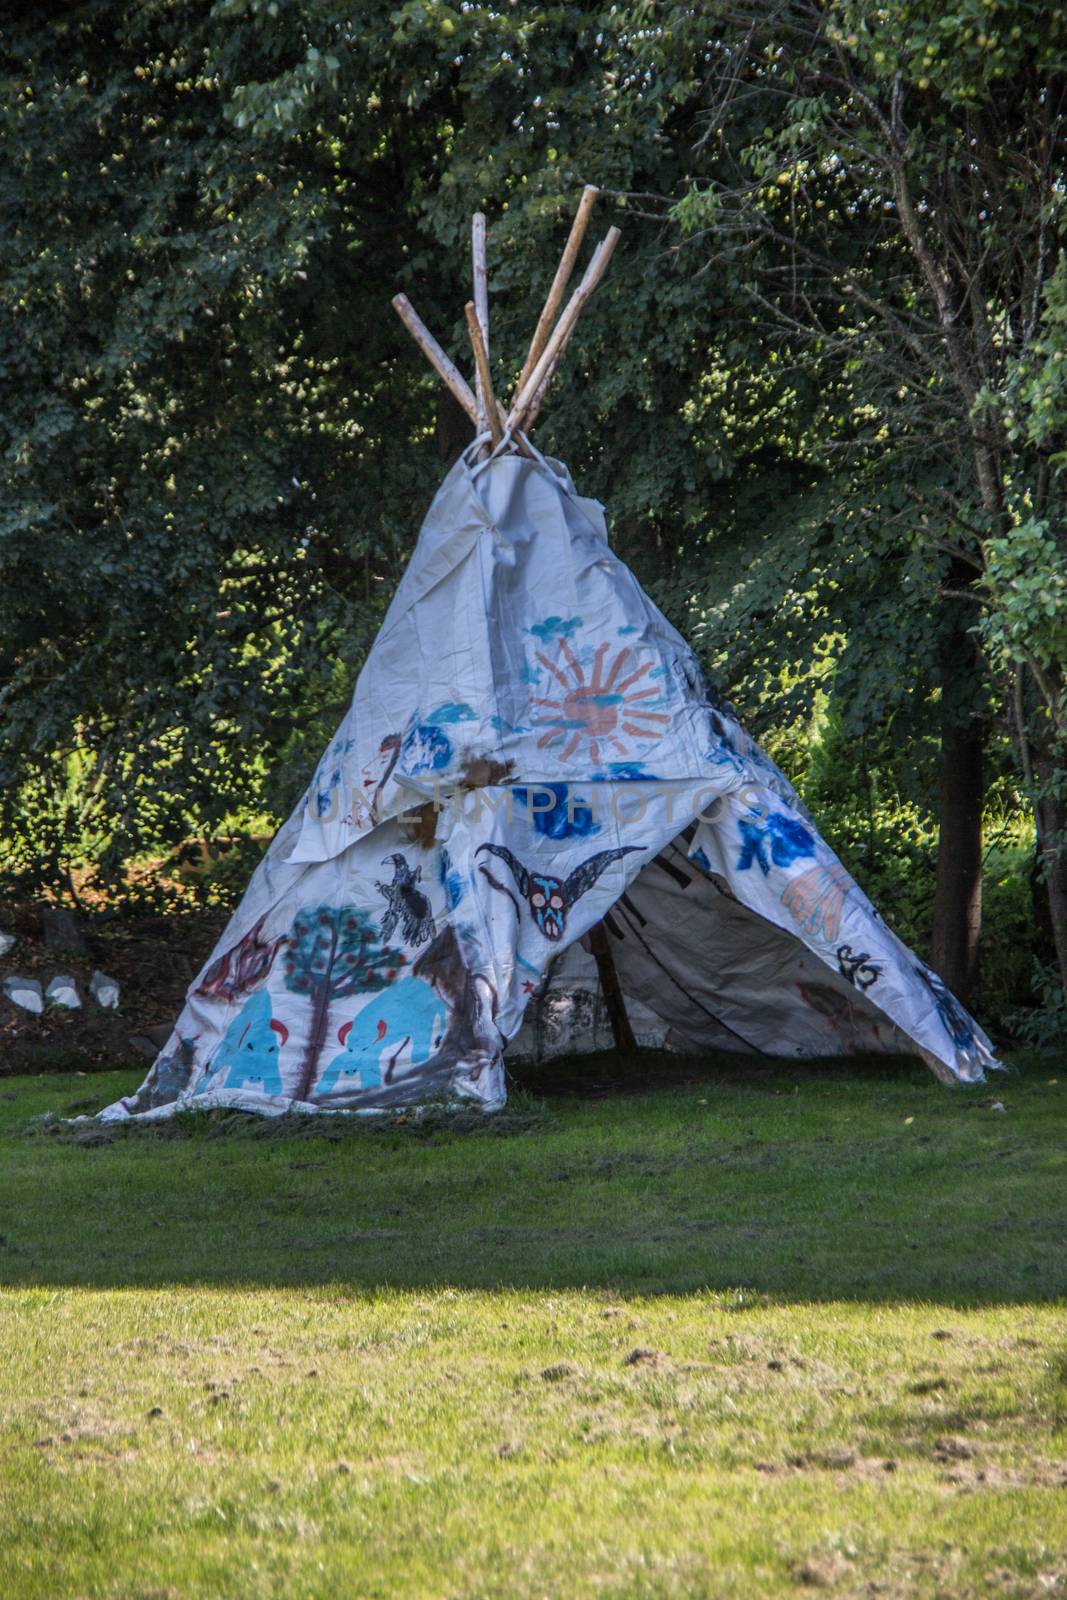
(104, 990)
(998, 1105)
(63, 992)
(24, 992)
(8, 942)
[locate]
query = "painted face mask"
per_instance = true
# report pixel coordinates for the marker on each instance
(549, 899)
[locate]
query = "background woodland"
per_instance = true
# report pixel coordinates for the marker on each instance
(823, 394)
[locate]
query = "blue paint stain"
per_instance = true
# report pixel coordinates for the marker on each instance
(457, 711)
(624, 772)
(425, 749)
(560, 820)
(631, 628)
(452, 881)
(724, 755)
(700, 859)
(324, 786)
(555, 628)
(324, 797)
(955, 1021)
(786, 839)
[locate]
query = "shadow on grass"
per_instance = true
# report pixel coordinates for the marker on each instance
(861, 1180)
(612, 1072)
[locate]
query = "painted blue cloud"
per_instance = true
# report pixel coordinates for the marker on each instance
(453, 712)
(555, 628)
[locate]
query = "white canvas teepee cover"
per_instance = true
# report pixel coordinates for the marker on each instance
(531, 749)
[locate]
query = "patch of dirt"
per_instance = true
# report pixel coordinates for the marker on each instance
(836, 1458)
(1036, 1474)
(751, 1359)
(153, 958)
(930, 1385)
(85, 1433)
(558, 1372)
(952, 1448)
(646, 1358)
(821, 1572)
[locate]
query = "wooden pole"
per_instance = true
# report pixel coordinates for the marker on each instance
(534, 409)
(539, 398)
(481, 306)
(621, 1031)
(558, 339)
(559, 283)
(430, 348)
(486, 397)
(553, 352)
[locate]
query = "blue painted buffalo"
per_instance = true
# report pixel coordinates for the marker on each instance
(408, 1012)
(248, 1054)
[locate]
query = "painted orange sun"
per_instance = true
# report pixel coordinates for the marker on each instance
(600, 709)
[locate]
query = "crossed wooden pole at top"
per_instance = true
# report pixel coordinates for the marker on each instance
(547, 346)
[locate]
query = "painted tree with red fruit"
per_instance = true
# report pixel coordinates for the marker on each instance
(334, 952)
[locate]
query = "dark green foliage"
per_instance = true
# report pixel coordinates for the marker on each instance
(1043, 1025)
(216, 443)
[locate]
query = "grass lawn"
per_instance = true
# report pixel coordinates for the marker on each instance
(753, 1332)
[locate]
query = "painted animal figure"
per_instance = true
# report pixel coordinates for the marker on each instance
(248, 1055)
(242, 968)
(408, 1012)
(859, 969)
(548, 898)
(406, 904)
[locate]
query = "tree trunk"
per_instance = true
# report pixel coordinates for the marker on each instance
(320, 1021)
(958, 894)
(1050, 817)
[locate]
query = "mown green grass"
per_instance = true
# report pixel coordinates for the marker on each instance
(757, 1333)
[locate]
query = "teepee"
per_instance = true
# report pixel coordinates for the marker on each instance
(535, 797)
